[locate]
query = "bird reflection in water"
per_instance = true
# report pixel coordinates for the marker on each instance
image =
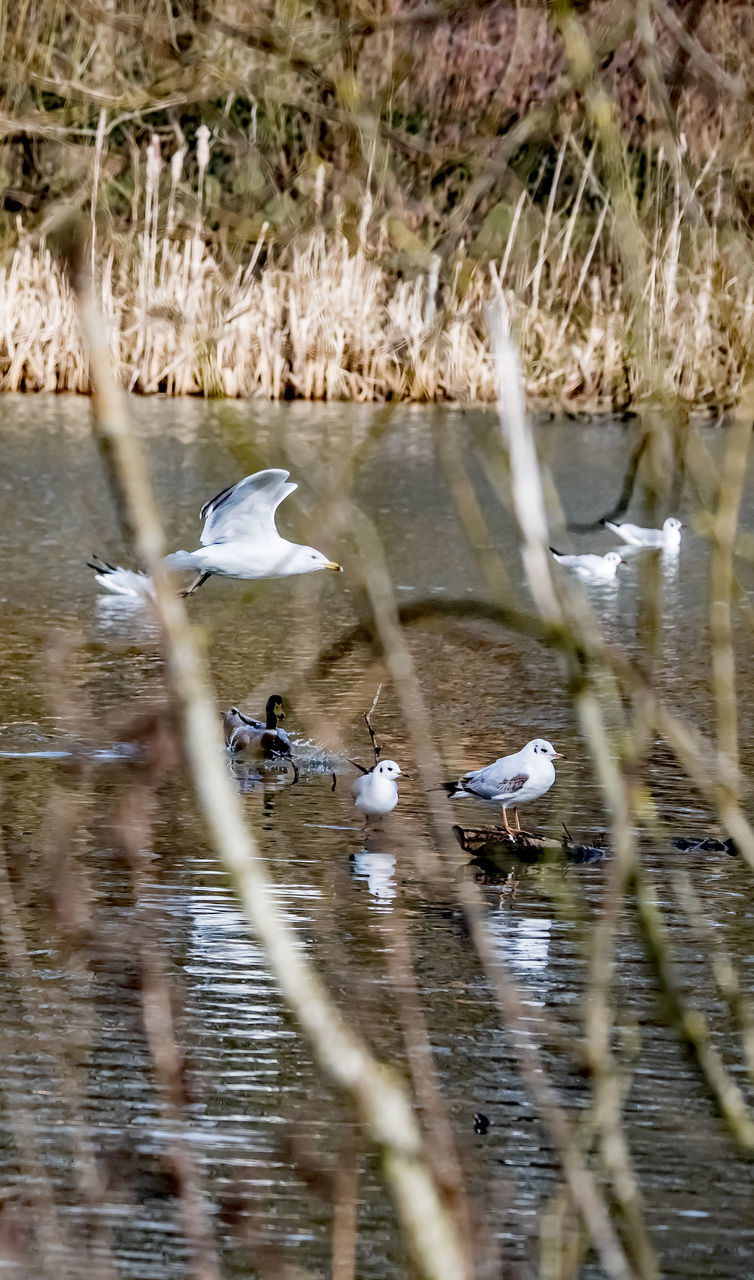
(375, 865)
(265, 778)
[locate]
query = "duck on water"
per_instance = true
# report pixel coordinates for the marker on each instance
(265, 739)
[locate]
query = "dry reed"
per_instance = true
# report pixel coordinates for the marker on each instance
(324, 319)
(408, 166)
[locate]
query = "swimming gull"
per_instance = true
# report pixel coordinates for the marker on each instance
(668, 538)
(591, 567)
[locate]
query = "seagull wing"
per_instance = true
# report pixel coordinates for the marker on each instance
(511, 786)
(484, 783)
(571, 562)
(247, 509)
(636, 534)
(586, 566)
(505, 776)
(357, 787)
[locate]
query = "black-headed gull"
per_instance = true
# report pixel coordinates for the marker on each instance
(239, 540)
(668, 538)
(512, 780)
(591, 566)
(376, 792)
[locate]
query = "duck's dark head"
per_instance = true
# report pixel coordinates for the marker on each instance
(275, 710)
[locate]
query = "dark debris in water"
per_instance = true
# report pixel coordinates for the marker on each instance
(493, 848)
(707, 844)
(137, 1175)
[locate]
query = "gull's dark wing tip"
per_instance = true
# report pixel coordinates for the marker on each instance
(213, 503)
(103, 566)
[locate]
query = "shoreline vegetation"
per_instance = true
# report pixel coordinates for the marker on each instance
(341, 237)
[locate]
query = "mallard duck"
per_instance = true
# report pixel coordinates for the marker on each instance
(263, 739)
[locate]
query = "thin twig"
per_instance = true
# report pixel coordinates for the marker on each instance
(368, 720)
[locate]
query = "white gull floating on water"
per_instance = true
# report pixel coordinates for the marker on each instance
(591, 567)
(668, 538)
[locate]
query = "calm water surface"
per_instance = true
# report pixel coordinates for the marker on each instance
(79, 667)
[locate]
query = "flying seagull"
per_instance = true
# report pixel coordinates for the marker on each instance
(239, 540)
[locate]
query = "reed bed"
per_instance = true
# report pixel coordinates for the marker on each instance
(329, 317)
(591, 163)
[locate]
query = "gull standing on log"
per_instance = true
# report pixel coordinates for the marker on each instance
(512, 780)
(239, 540)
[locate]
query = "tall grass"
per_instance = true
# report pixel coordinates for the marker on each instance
(346, 193)
(325, 318)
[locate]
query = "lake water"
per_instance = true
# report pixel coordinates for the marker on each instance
(114, 889)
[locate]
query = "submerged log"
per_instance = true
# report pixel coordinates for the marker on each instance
(705, 844)
(496, 850)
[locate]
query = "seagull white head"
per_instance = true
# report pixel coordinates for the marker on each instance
(613, 557)
(541, 747)
(387, 769)
(671, 533)
(305, 560)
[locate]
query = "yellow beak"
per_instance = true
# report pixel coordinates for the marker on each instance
(332, 565)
